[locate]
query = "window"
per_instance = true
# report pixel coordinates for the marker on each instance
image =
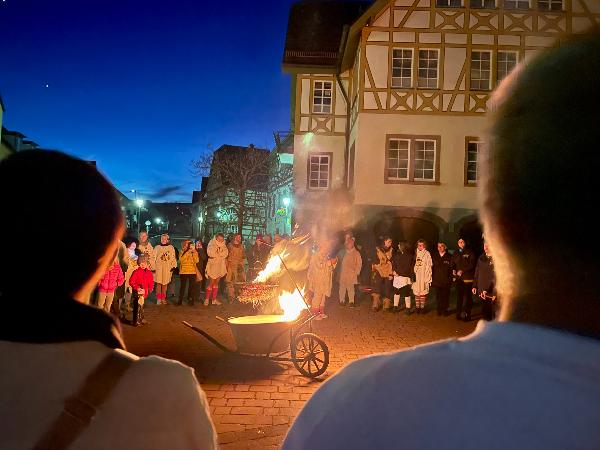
(428, 69)
(402, 67)
(411, 159)
(471, 157)
(489, 4)
(550, 5)
(516, 4)
(319, 170)
(449, 3)
(506, 62)
(322, 97)
(481, 70)
(397, 159)
(424, 160)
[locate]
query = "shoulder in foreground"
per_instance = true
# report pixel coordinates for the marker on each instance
(167, 370)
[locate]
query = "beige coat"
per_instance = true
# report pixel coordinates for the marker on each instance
(351, 265)
(423, 266)
(164, 261)
(236, 263)
(147, 250)
(320, 274)
(157, 405)
(216, 267)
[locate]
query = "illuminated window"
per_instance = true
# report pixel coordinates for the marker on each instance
(481, 70)
(449, 3)
(471, 158)
(488, 4)
(517, 4)
(322, 97)
(319, 170)
(505, 64)
(411, 159)
(402, 67)
(428, 69)
(550, 5)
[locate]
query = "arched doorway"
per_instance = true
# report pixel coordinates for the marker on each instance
(472, 233)
(407, 228)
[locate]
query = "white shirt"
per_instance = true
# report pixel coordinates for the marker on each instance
(506, 386)
(158, 403)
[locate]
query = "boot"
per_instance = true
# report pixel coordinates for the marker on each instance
(376, 302)
(387, 303)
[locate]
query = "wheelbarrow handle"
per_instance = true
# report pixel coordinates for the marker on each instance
(211, 339)
(221, 319)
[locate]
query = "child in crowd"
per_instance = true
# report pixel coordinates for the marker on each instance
(142, 283)
(112, 278)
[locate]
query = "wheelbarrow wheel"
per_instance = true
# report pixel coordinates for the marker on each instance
(310, 355)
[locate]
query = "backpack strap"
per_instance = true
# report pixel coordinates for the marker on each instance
(80, 409)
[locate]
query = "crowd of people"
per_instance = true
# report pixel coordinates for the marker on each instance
(67, 380)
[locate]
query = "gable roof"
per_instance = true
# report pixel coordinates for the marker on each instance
(315, 33)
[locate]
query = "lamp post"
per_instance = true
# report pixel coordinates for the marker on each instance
(147, 223)
(139, 202)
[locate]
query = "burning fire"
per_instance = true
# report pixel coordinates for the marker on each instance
(273, 266)
(292, 304)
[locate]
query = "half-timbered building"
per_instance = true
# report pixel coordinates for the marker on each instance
(390, 102)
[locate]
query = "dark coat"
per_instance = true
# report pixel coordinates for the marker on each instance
(202, 259)
(442, 269)
(465, 261)
(403, 263)
(485, 277)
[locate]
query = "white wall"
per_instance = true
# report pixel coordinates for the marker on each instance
(369, 187)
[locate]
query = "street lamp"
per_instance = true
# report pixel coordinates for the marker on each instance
(139, 202)
(147, 223)
(286, 201)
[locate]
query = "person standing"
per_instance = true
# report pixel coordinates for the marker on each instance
(216, 267)
(131, 257)
(236, 261)
(442, 278)
(188, 258)
(164, 263)
(423, 273)
(145, 248)
(403, 263)
(350, 269)
(112, 278)
(463, 262)
(382, 275)
(320, 278)
(142, 283)
(484, 284)
(201, 266)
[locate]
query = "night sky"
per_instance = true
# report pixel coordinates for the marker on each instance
(144, 86)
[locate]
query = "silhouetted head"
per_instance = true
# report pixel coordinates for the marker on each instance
(540, 184)
(77, 212)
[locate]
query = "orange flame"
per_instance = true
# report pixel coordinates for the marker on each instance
(292, 304)
(273, 266)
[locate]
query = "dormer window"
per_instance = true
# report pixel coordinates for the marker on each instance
(449, 3)
(550, 5)
(517, 4)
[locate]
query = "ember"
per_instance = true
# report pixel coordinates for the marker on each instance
(256, 293)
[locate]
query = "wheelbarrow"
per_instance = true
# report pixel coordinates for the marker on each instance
(273, 338)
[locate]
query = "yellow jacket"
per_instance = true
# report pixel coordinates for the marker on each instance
(187, 263)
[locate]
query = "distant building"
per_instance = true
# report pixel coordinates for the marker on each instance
(221, 202)
(281, 191)
(199, 210)
(390, 100)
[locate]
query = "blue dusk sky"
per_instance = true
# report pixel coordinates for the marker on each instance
(144, 86)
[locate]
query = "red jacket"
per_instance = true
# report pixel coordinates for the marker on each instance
(112, 278)
(142, 278)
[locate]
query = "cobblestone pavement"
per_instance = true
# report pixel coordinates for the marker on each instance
(253, 402)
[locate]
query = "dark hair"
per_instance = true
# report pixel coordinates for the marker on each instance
(545, 133)
(220, 235)
(70, 198)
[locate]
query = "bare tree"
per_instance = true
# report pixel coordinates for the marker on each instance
(243, 177)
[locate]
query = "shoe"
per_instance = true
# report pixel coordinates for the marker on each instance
(395, 309)
(342, 303)
(409, 311)
(216, 302)
(206, 302)
(324, 316)
(351, 305)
